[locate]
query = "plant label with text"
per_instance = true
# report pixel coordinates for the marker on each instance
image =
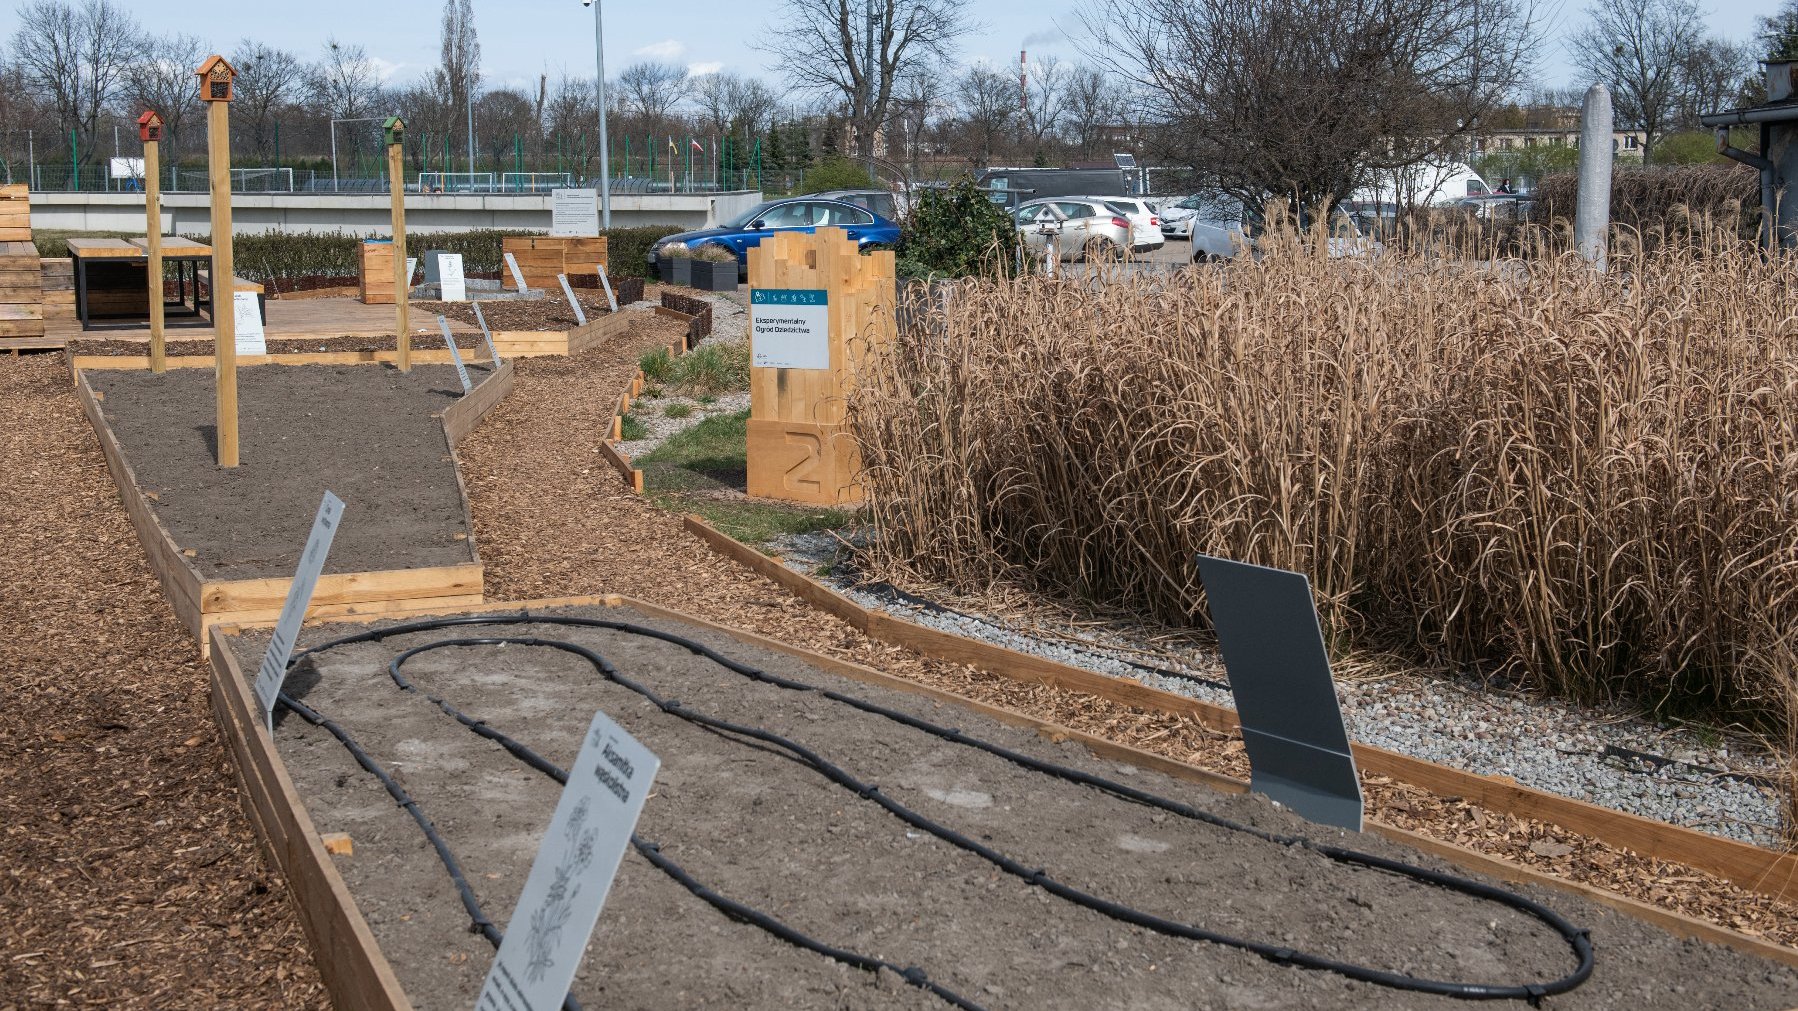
(789, 328)
(299, 596)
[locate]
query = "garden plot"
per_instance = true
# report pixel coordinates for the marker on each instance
(763, 829)
(224, 542)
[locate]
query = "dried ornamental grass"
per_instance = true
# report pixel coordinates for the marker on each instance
(1586, 481)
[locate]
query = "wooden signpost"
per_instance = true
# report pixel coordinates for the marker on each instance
(395, 130)
(815, 306)
(149, 130)
(216, 78)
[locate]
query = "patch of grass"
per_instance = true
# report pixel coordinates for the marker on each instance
(705, 469)
(657, 365)
(651, 392)
(707, 399)
(678, 411)
(714, 369)
(634, 429)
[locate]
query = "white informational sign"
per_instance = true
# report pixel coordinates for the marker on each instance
(126, 168)
(517, 275)
(299, 595)
(574, 213)
(411, 269)
(246, 309)
(580, 315)
(789, 328)
(486, 334)
(449, 275)
(605, 281)
(455, 355)
(573, 872)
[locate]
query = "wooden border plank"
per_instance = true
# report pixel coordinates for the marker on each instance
(1752, 867)
(461, 417)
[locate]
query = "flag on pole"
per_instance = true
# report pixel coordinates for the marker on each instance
(697, 146)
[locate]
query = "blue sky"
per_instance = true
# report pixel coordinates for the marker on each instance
(522, 38)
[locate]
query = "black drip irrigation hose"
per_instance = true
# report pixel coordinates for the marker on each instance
(1578, 939)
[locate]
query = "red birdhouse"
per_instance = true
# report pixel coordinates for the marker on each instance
(149, 126)
(215, 79)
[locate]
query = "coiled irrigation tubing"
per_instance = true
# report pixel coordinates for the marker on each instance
(1577, 939)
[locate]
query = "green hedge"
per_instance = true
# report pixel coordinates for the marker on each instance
(273, 255)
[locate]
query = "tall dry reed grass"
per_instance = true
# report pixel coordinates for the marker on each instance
(1587, 481)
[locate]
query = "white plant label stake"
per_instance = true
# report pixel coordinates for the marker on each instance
(455, 355)
(572, 873)
(580, 317)
(611, 299)
(486, 334)
(299, 595)
(517, 275)
(247, 311)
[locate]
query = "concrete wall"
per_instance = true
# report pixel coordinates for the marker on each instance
(369, 214)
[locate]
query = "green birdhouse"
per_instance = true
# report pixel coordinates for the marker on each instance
(394, 129)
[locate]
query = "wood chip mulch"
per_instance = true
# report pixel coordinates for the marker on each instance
(129, 876)
(553, 520)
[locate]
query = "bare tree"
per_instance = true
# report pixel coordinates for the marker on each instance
(919, 101)
(270, 82)
(1638, 49)
(652, 90)
(855, 51)
(1711, 78)
(1305, 98)
(1093, 101)
(162, 78)
(458, 73)
(1044, 101)
(346, 84)
(988, 102)
(77, 56)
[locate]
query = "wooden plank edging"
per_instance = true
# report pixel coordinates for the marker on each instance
(1752, 867)
(461, 417)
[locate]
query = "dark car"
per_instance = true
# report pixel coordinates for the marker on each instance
(794, 214)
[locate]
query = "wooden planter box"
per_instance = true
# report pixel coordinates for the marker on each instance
(374, 272)
(709, 276)
(541, 257)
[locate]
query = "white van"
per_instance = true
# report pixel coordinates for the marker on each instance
(1425, 184)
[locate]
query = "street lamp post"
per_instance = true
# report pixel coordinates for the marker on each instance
(605, 161)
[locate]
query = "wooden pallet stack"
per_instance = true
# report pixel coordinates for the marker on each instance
(375, 272)
(21, 283)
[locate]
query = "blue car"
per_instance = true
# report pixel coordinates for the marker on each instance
(794, 214)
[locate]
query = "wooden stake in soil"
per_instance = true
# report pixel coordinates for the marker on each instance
(149, 130)
(216, 78)
(395, 129)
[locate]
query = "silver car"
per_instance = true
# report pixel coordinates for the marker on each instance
(1077, 227)
(1145, 225)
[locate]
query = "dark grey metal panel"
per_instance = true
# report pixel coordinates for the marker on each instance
(1280, 675)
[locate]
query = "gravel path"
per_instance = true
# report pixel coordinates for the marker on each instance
(129, 876)
(553, 520)
(1543, 743)
(730, 325)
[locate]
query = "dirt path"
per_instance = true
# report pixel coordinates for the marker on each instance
(128, 874)
(552, 520)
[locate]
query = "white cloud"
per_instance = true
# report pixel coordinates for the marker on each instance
(385, 69)
(702, 69)
(667, 49)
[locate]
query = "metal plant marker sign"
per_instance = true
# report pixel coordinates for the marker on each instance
(299, 595)
(611, 299)
(517, 275)
(455, 355)
(486, 334)
(572, 873)
(1279, 671)
(580, 317)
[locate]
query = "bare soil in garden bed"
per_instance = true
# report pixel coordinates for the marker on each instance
(773, 833)
(551, 312)
(129, 877)
(470, 344)
(368, 433)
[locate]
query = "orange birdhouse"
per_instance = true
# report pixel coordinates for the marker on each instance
(215, 79)
(149, 126)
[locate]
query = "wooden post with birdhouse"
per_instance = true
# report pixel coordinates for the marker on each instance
(216, 82)
(816, 306)
(394, 130)
(149, 130)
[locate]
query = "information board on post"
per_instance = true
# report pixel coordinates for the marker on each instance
(517, 275)
(574, 213)
(455, 355)
(572, 873)
(789, 328)
(453, 285)
(246, 310)
(293, 610)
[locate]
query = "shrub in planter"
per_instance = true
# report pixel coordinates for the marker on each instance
(675, 262)
(714, 269)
